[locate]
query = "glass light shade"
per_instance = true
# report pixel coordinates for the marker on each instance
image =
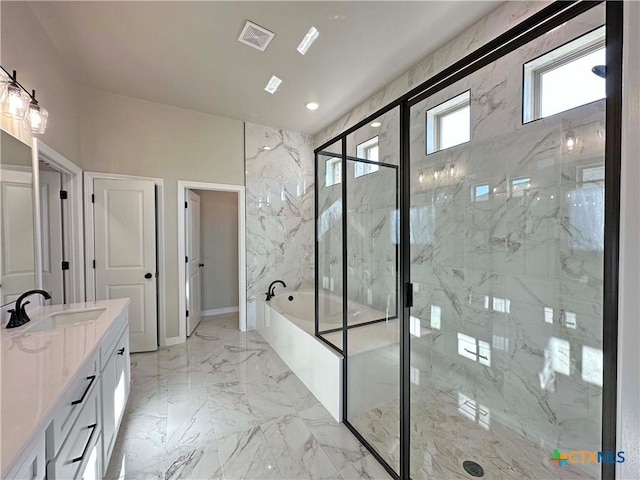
(4, 83)
(15, 102)
(36, 119)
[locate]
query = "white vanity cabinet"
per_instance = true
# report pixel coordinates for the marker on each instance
(78, 394)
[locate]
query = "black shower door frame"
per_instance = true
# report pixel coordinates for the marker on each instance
(536, 25)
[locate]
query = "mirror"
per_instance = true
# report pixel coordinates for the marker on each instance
(17, 253)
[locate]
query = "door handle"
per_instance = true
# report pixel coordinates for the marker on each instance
(201, 265)
(147, 276)
(121, 351)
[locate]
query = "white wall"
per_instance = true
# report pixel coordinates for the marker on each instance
(219, 246)
(26, 48)
(629, 326)
(128, 136)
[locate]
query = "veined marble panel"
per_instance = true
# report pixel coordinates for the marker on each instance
(280, 198)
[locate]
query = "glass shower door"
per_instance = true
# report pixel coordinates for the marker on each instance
(329, 246)
(372, 353)
(506, 250)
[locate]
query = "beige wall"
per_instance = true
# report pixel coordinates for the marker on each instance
(26, 48)
(219, 245)
(124, 135)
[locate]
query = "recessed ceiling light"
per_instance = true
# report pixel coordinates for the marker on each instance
(312, 105)
(308, 40)
(266, 148)
(376, 124)
(273, 85)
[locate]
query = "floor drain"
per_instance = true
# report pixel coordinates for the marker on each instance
(472, 468)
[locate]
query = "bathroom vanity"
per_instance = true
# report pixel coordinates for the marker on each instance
(64, 386)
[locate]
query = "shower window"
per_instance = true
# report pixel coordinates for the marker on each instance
(368, 151)
(333, 172)
(566, 77)
(449, 124)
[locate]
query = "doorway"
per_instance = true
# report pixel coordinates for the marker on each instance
(59, 225)
(54, 266)
(211, 250)
(124, 250)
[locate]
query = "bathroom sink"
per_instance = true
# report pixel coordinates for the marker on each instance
(66, 319)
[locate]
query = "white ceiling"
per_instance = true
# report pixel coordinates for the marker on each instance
(186, 54)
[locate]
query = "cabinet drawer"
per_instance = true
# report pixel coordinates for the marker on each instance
(80, 445)
(72, 402)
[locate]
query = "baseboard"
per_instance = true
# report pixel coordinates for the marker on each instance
(172, 341)
(219, 311)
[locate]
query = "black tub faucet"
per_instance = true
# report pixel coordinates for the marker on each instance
(18, 314)
(270, 291)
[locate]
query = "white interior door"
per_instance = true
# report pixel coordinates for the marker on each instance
(16, 238)
(194, 262)
(125, 251)
(52, 248)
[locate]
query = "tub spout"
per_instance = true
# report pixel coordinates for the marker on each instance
(271, 290)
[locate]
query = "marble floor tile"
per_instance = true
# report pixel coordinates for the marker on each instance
(247, 455)
(231, 412)
(225, 406)
(443, 436)
(196, 458)
(334, 438)
(299, 454)
(367, 468)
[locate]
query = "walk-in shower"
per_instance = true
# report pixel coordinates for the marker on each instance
(462, 252)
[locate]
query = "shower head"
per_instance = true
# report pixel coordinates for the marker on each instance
(600, 70)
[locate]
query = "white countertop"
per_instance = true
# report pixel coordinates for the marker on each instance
(37, 367)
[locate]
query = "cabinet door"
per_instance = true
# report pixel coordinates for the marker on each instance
(92, 470)
(123, 374)
(115, 392)
(109, 382)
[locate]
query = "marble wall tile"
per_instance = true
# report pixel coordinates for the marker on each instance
(279, 202)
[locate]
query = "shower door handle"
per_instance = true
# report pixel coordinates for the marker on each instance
(409, 302)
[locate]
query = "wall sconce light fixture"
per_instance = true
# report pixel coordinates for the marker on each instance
(16, 102)
(570, 140)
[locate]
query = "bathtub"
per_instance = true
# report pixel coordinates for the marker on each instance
(288, 326)
(287, 323)
(299, 307)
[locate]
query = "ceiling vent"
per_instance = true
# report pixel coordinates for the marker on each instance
(255, 36)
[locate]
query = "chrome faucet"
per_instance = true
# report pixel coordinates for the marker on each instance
(18, 314)
(270, 291)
